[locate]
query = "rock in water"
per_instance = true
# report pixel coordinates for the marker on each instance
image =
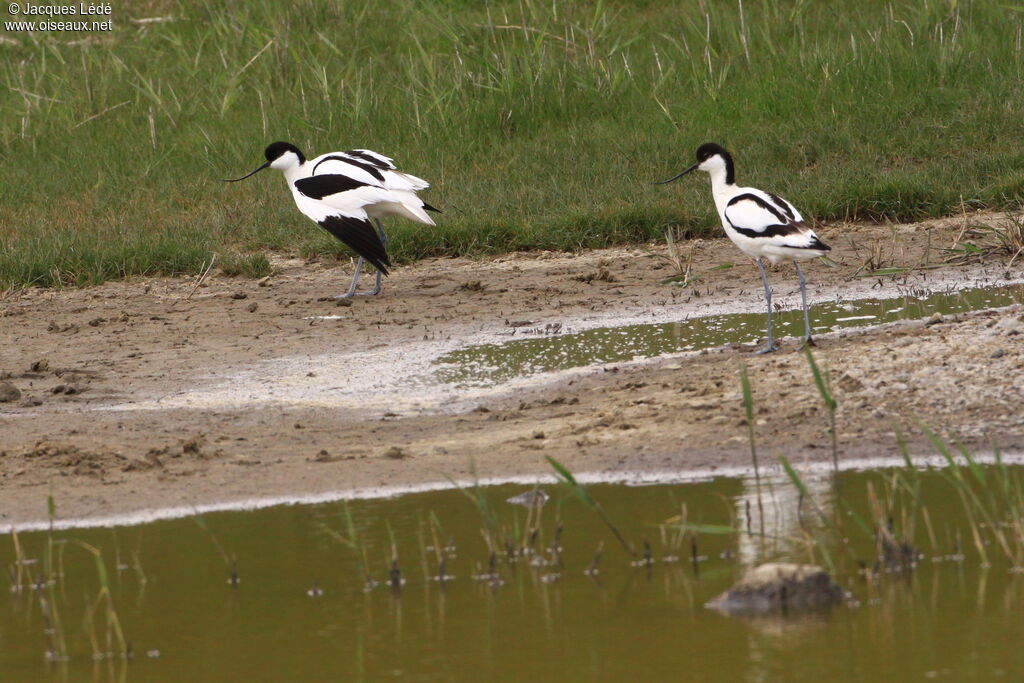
(779, 587)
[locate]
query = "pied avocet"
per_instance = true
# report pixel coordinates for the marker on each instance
(343, 191)
(762, 225)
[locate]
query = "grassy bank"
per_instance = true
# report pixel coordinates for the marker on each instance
(541, 125)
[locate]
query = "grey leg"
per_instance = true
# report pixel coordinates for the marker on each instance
(359, 271)
(768, 296)
(808, 341)
(378, 283)
(355, 280)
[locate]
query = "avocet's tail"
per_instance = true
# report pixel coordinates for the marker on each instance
(417, 207)
(396, 180)
(403, 203)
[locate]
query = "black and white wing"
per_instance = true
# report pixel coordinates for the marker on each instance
(336, 197)
(761, 215)
(377, 170)
(370, 157)
(393, 178)
(377, 166)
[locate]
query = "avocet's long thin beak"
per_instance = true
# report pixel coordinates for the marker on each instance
(235, 180)
(692, 168)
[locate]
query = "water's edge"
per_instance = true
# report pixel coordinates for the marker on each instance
(626, 477)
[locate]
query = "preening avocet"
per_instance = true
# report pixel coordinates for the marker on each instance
(343, 191)
(761, 224)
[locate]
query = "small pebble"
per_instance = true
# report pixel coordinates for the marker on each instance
(998, 353)
(239, 295)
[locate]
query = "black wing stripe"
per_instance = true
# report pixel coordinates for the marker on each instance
(818, 244)
(783, 231)
(320, 186)
(377, 163)
(779, 230)
(372, 170)
(747, 196)
(428, 207)
(784, 228)
(361, 237)
(781, 203)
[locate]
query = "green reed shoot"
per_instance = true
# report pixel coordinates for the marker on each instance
(350, 539)
(985, 509)
(392, 544)
(436, 535)
(563, 473)
(817, 532)
(51, 511)
(479, 498)
(824, 389)
(748, 404)
(18, 575)
(105, 600)
(53, 625)
(201, 523)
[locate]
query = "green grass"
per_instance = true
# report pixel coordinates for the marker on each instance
(541, 125)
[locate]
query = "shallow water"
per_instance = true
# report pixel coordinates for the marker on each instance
(950, 619)
(492, 364)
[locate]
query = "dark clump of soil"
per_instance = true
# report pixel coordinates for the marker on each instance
(69, 457)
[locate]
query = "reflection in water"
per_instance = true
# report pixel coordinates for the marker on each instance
(625, 623)
(491, 364)
(778, 532)
(773, 536)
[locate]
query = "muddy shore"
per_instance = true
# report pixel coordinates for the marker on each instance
(159, 392)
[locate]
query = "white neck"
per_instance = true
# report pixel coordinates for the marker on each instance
(293, 173)
(721, 191)
(716, 167)
(718, 175)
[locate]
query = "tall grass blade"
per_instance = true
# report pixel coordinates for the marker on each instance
(821, 382)
(580, 491)
(748, 404)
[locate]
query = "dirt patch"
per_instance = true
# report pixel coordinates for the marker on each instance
(151, 393)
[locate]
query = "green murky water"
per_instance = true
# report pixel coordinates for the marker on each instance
(491, 364)
(951, 619)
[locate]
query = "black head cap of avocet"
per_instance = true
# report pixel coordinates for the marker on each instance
(710, 157)
(280, 155)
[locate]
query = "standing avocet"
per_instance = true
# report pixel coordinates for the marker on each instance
(761, 224)
(343, 191)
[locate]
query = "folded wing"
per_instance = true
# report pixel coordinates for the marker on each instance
(360, 236)
(344, 217)
(760, 215)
